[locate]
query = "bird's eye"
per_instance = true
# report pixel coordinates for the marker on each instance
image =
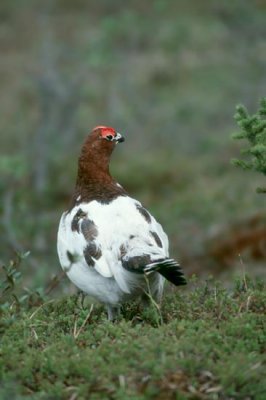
(109, 137)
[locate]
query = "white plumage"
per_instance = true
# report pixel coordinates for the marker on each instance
(119, 224)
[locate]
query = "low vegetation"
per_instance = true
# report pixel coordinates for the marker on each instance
(207, 342)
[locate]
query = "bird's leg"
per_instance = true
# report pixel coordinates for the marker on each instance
(148, 299)
(145, 300)
(112, 312)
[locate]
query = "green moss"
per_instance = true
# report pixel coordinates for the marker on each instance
(210, 343)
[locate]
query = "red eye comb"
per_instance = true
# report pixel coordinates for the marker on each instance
(105, 130)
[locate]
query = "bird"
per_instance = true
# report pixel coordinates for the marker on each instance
(108, 244)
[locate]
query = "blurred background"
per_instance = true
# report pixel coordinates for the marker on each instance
(167, 74)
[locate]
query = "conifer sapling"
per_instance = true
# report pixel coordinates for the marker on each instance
(253, 129)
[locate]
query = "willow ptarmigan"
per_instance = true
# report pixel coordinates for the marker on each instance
(109, 245)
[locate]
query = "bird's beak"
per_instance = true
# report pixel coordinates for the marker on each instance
(119, 138)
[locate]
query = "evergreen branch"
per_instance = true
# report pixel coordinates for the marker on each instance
(253, 130)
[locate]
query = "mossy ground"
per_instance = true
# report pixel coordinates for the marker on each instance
(207, 343)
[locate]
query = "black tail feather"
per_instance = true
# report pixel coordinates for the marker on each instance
(169, 269)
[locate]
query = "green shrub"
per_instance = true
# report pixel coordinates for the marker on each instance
(253, 129)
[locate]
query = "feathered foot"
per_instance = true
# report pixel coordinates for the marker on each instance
(113, 312)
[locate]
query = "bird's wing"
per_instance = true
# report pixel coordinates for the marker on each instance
(138, 239)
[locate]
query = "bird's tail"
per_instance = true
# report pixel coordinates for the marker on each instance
(169, 269)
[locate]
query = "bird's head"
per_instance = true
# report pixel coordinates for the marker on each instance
(98, 147)
(106, 133)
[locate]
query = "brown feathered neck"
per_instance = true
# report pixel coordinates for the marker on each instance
(94, 181)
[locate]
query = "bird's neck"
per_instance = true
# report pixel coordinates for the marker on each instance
(94, 181)
(93, 170)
